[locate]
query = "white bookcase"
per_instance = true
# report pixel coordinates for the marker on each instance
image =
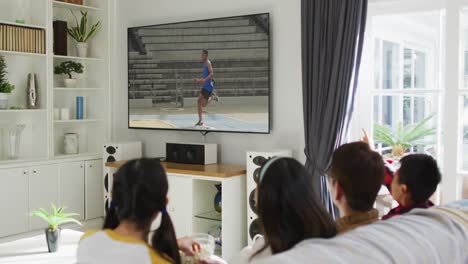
(43, 136)
(43, 173)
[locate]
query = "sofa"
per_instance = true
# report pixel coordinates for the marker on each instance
(423, 236)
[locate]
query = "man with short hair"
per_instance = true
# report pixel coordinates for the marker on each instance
(206, 94)
(355, 177)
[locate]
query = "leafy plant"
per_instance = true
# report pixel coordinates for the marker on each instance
(402, 137)
(5, 86)
(55, 218)
(80, 31)
(68, 67)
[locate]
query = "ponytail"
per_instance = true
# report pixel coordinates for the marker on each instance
(164, 239)
(111, 221)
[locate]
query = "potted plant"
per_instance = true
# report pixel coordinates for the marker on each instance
(54, 219)
(402, 137)
(82, 34)
(67, 68)
(5, 87)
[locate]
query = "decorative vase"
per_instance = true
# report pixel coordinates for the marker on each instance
(13, 140)
(218, 199)
(70, 83)
(3, 101)
(71, 143)
(53, 239)
(32, 91)
(82, 49)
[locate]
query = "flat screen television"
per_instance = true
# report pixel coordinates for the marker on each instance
(208, 75)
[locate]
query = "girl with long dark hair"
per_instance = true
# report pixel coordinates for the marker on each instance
(139, 195)
(288, 210)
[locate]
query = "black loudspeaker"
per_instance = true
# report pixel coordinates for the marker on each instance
(60, 37)
(200, 154)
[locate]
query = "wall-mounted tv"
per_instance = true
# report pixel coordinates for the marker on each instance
(207, 75)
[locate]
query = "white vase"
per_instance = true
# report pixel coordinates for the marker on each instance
(71, 143)
(70, 83)
(82, 49)
(3, 101)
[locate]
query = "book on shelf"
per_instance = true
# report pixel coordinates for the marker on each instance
(22, 39)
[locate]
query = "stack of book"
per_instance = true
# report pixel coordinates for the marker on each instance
(22, 39)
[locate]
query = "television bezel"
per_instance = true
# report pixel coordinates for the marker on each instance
(205, 131)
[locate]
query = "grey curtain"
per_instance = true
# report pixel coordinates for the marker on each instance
(332, 40)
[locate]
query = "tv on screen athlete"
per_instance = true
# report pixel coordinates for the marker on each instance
(206, 94)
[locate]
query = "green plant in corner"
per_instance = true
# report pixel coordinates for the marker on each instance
(402, 137)
(80, 31)
(5, 86)
(68, 67)
(56, 217)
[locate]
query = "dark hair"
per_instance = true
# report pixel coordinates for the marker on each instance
(205, 51)
(360, 171)
(420, 174)
(139, 192)
(288, 209)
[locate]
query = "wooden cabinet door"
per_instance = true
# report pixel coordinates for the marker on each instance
(43, 191)
(72, 185)
(180, 204)
(14, 201)
(94, 189)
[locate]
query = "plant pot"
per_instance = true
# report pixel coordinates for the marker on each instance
(53, 239)
(398, 151)
(3, 101)
(82, 49)
(70, 83)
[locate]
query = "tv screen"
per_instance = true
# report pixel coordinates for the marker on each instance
(206, 75)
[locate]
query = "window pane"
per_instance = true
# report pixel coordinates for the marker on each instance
(466, 69)
(465, 133)
(407, 111)
(408, 69)
(376, 109)
(419, 109)
(419, 70)
(387, 110)
(391, 65)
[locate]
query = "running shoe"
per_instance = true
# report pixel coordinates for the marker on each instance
(215, 97)
(199, 123)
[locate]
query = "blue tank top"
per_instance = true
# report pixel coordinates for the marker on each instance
(208, 85)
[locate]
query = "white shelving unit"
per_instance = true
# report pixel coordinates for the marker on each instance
(43, 136)
(43, 173)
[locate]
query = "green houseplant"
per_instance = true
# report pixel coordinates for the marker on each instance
(402, 137)
(81, 33)
(67, 68)
(54, 219)
(5, 87)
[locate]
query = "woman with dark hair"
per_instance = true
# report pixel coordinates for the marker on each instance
(288, 210)
(139, 195)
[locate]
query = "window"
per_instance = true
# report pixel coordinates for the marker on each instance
(415, 64)
(401, 97)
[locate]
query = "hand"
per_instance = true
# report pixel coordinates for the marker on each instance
(365, 137)
(188, 246)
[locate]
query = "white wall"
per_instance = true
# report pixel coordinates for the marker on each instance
(287, 117)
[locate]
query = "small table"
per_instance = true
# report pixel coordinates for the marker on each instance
(34, 250)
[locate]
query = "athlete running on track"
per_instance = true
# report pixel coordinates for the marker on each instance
(206, 94)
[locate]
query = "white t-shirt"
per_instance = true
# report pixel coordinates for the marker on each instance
(106, 246)
(245, 256)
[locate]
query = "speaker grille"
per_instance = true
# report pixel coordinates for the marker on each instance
(111, 150)
(253, 201)
(254, 228)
